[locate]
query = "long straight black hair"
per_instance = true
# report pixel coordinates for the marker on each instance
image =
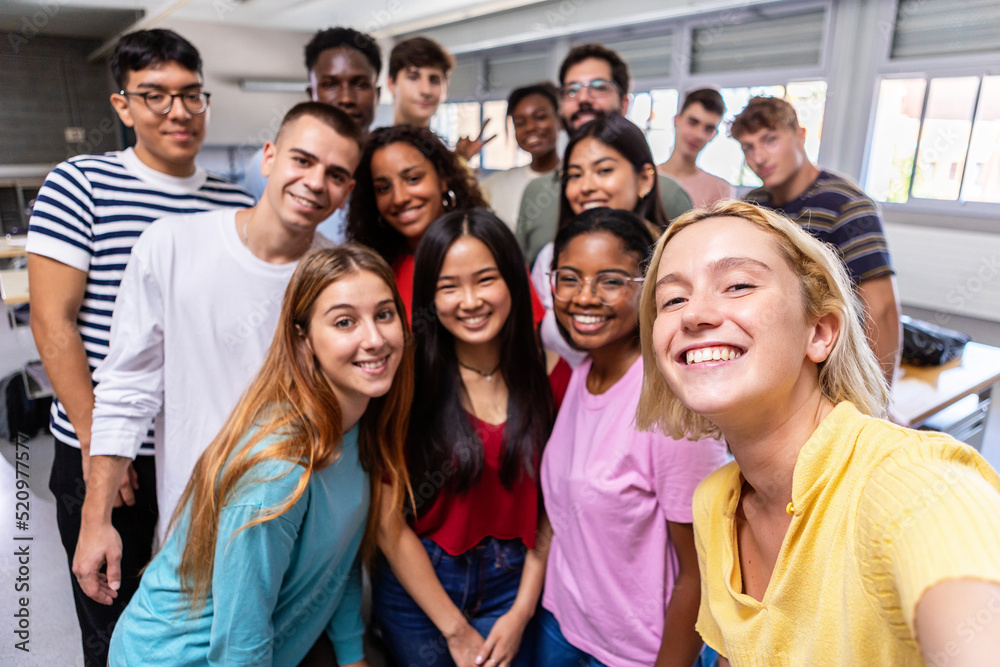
(441, 436)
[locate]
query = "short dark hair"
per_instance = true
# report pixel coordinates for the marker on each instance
(581, 52)
(771, 113)
(419, 52)
(546, 89)
(706, 97)
(344, 38)
(624, 136)
(335, 117)
(364, 222)
(147, 48)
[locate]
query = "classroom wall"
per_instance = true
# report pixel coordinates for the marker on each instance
(48, 85)
(230, 53)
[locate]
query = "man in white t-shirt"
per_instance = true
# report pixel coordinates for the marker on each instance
(198, 307)
(695, 126)
(87, 216)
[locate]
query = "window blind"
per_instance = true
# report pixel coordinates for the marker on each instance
(741, 45)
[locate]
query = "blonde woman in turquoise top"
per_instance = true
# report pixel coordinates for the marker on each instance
(267, 543)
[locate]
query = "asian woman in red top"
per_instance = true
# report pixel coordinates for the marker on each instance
(469, 561)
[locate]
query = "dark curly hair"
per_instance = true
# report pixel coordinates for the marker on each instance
(344, 38)
(365, 223)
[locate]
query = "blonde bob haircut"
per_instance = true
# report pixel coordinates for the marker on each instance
(850, 373)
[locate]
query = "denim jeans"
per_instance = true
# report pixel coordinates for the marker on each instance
(482, 582)
(553, 650)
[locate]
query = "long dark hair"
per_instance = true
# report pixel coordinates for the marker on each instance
(441, 434)
(633, 232)
(622, 135)
(364, 222)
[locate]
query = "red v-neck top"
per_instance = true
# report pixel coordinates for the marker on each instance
(458, 522)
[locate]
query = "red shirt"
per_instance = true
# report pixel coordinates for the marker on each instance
(459, 522)
(402, 268)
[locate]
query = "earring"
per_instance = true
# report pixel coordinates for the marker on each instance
(448, 200)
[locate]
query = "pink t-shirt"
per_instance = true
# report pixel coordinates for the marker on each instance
(706, 189)
(609, 491)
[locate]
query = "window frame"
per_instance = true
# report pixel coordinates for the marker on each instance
(680, 78)
(927, 68)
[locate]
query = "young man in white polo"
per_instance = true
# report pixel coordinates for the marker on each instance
(198, 308)
(89, 213)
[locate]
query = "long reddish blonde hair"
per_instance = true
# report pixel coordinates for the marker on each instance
(291, 397)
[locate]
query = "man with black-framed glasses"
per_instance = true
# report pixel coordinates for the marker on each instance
(594, 81)
(194, 100)
(88, 214)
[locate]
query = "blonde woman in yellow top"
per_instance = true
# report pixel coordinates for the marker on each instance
(834, 538)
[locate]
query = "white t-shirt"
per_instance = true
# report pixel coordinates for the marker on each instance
(195, 316)
(503, 191)
(89, 213)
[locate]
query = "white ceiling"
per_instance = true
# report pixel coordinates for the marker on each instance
(104, 19)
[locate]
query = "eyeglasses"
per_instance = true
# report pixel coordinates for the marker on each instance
(609, 286)
(597, 88)
(195, 101)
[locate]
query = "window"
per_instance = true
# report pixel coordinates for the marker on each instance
(503, 152)
(936, 139)
(457, 119)
(464, 119)
(654, 111)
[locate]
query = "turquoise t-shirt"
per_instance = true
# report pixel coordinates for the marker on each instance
(276, 586)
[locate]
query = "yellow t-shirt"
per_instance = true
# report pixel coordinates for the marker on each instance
(881, 513)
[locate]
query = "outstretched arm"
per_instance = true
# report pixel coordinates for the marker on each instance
(959, 620)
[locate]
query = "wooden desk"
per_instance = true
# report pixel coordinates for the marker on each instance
(923, 392)
(14, 286)
(12, 248)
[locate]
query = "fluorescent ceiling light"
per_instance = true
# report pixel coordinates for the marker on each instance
(272, 86)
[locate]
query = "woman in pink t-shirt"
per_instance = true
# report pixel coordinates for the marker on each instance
(622, 583)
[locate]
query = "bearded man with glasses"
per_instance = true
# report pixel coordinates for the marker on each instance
(88, 214)
(594, 81)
